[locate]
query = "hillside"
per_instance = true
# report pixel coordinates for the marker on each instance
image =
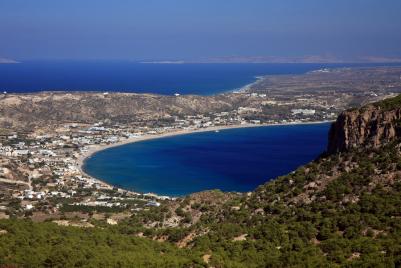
(341, 210)
(27, 111)
(271, 98)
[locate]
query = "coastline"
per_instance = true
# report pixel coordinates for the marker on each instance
(93, 149)
(247, 87)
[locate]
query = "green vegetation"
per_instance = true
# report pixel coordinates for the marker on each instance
(389, 104)
(353, 221)
(342, 210)
(30, 244)
(87, 209)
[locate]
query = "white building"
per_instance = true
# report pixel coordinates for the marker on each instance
(303, 111)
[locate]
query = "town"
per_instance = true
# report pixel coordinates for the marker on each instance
(41, 174)
(49, 179)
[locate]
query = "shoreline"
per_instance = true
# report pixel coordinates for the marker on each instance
(247, 87)
(93, 149)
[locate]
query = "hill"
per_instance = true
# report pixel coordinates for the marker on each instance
(341, 210)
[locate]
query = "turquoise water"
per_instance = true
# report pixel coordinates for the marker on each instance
(230, 160)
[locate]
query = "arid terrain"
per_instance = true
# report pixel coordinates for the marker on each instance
(315, 96)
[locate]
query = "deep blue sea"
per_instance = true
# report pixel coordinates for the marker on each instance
(125, 76)
(230, 160)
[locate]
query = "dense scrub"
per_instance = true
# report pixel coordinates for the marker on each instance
(342, 210)
(28, 244)
(389, 104)
(354, 220)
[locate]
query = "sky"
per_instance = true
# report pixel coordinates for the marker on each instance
(197, 29)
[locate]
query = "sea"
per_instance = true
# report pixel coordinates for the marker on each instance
(128, 76)
(229, 160)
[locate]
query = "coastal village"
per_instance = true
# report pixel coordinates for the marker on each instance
(49, 179)
(41, 174)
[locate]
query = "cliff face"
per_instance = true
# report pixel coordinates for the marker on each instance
(371, 126)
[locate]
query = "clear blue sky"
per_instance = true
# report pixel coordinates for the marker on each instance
(193, 29)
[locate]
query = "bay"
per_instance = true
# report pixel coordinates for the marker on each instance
(230, 160)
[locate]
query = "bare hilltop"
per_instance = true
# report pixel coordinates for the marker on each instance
(318, 95)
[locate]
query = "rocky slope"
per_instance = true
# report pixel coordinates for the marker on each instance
(29, 110)
(342, 210)
(371, 126)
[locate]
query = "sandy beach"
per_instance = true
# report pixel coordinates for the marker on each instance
(96, 148)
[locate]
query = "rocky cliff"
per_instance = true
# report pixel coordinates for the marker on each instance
(370, 126)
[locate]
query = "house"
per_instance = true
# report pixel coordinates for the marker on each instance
(153, 204)
(19, 152)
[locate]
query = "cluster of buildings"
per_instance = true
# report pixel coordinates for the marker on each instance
(44, 167)
(43, 173)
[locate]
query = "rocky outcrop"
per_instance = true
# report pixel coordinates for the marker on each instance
(370, 126)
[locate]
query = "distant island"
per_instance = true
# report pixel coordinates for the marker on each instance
(200, 134)
(286, 59)
(7, 61)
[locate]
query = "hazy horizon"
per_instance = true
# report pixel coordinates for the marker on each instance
(157, 30)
